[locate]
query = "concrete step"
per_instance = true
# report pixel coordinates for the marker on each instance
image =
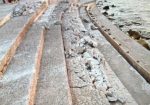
(131, 79)
(5, 13)
(12, 34)
(18, 85)
(53, 87)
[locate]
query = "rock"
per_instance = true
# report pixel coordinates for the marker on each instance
(94, 27)
(148, 42)
(86, 55)
(122, 100)
(18, 10)
(106, 8)
(113, 5)
(105, 13)
(110, 18)
(85, 20)
(58, 23)
(90, 42)
(120, 26)
(31, 11)
(143, 43)
(134, 34)
(80, 50)
(111, 96)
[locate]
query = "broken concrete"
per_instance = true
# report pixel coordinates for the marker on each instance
(87, 68)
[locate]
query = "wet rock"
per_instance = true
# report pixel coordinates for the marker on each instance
(110, 18)
(134, 34)
(144, 43)
(121, 10)
(105, 13)
(148, 42)
(120, 26)
(112, 14)
(113, 5)
(136, 23)
(106, 8)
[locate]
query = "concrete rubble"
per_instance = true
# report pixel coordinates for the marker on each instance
(91, 80)
(87, 66)
(26, 7)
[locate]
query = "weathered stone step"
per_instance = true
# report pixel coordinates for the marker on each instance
(12, 34)
(18, 85)
(5, 13)
(53, 87)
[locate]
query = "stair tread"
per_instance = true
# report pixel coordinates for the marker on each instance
(17, 81)
(53, 87)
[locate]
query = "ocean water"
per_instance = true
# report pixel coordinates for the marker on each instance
(130, 14)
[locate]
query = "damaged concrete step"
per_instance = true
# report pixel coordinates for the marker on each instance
(12, 34)
(18, 85)
(133, 52)
(5, 13)
(132, 80)
(53, 87)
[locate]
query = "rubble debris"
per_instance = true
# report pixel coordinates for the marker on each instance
(26, 8)
(85, 62)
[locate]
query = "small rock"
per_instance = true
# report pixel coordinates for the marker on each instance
(90, 42)
(85, 20)
(122, 100)
(113, 5)
(18, 10)
(94, 27)
(111, 96)
(86, 55)
(106, 8)
(58, 23)
(105, 13)
(120, 26)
